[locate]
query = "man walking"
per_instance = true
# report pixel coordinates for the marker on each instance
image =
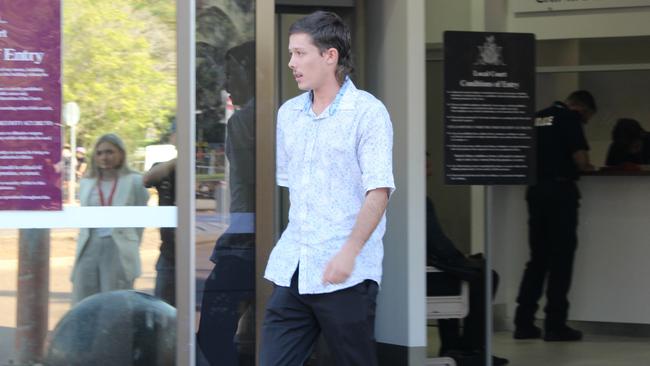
(334, 153)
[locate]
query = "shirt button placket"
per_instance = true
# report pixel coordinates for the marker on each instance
(309, 170)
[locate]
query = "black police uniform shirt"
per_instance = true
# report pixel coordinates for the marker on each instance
(559, 135)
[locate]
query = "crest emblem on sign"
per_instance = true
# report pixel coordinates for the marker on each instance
(489, 53)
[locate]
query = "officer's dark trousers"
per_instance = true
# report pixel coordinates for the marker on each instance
(346, 319)
(553, 219)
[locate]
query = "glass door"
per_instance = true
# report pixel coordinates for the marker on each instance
(225, 205)
(92, 280)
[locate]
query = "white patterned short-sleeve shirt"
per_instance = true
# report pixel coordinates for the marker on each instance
(329, 162)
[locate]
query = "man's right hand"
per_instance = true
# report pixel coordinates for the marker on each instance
(581, 158)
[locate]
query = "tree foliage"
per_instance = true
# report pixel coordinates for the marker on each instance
(164, 10)
(119, 66)
(220, 25)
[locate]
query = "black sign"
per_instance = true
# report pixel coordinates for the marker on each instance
(489, 108)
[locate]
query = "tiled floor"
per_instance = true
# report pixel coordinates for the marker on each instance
(594, 350)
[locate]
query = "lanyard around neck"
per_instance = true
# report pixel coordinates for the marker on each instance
(102, 200)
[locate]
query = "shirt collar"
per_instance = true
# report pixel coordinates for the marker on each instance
(344, 99)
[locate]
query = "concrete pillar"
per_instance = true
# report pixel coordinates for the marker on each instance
(395, 73)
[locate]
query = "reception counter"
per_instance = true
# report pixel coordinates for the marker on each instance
(611, 281)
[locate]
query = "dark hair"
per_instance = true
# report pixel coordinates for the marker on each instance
(583, 98)
(328, 30)
(244, 55)
(626, 131)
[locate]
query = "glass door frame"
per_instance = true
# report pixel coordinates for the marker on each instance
(186, 177)
(266, 189)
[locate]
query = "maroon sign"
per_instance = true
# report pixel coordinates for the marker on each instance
(30, 105)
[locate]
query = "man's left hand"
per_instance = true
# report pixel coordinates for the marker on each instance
(340, 267)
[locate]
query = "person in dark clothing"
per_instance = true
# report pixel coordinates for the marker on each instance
(630, 145)
(163, 177)
(562, 153)
(467, 348)
(226, 332)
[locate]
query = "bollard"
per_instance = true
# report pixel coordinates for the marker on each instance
(33, 294)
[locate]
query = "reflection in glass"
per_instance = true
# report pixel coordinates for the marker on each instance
(226, 183)
(162, 176)
(118, 65)
(108, 259)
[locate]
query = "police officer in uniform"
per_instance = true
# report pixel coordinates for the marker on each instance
(562, 153)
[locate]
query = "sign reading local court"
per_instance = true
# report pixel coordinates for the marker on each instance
(30, 105)
(489, 107)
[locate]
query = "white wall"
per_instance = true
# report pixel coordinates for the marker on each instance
(395, 68)
(620, 94)
(611, 267)
(442, 15)
(509, 237)
(617, 22)
(609, 271)
(462, 15)
(609, 275)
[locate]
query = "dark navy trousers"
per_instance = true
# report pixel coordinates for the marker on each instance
(552, 224)
(346, 319)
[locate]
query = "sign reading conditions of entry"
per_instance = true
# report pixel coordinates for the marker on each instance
(30, 105)
(489, 108)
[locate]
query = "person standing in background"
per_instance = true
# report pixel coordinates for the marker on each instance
(81, 167)
(226, 334)
(108, 259)
(163, 177)
(66, 160)
(562, 153)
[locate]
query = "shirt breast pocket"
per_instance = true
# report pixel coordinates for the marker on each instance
(336, 147)
(337, 141)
